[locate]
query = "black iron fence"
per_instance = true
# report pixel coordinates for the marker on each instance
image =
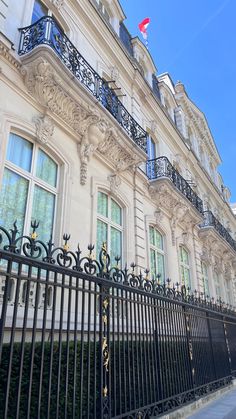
(82, 339)
(46, 31)
(161, 167)
(211, 221)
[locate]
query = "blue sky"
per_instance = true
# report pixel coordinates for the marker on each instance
(195, 41)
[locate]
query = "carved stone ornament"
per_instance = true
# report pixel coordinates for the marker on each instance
(44, 128)
(58, 3)
(115, 74)
(158, 214)
(94, 131)
(180, 211)
(115, 182)
(206, 255)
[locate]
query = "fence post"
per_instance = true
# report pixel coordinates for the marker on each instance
(227, 344)
(104, 341)
(211, 344)
(190, 346)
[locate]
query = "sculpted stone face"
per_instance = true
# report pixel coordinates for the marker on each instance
(96, 133)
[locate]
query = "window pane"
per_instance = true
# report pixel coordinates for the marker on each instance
(19, 152)
(101, 235)
(115, 248)
(152, 235)
(115, 212)
(184, 256)
(43, 211)
(13, 198)
(158, 240)
(102, 206)
(46, 168)
(153, 264)
(39, 11)
(160, 266)
(187, 277)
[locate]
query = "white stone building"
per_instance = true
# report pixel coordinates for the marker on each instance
(77, 114)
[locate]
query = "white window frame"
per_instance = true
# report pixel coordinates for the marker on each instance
(157, 251)
(217, 284)
(204, 280)
(185, 266)
(33, 180)
(108, 221)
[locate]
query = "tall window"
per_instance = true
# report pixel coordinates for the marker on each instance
(228, 291)
(204, 284)
(157, 254)
(39, 11)
(184, 267)
(29, 187)
(109, 225)
(217, 285)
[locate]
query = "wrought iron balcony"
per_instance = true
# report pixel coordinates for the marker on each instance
(47, 32)
(211, 221)
(162, 168)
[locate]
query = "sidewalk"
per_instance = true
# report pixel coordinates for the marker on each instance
(222, 408)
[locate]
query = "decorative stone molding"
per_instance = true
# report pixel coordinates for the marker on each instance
(46, 81)
(115, 182)
(58, 3)
(115, 74)
(158, 214)
(179, 210)
(7, 52)
(44, 128)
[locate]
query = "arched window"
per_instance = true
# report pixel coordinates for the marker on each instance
(109, 225)
(157, 255)
(217, 285)
(29, 187)
(184, 267)
(228, 291)
(204, 282)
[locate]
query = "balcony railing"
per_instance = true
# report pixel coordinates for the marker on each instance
(47, 32)
(211, 221)
(162, 168)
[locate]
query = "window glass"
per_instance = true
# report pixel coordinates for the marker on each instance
(115, 248)
(102, 204)
(205, 283)
(46, 168)
(101, 234)
(115, 212)
(217, 285)
(157, 261)
(43, 212)
(184, 268)
(19, 152)
(13, 199)
(22, 193)
(39, 11)
(109, 226)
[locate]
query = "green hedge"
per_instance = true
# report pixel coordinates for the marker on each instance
(129, 363)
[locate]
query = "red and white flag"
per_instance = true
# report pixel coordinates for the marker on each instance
(143, 26)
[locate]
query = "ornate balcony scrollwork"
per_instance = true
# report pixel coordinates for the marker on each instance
(211, 221)
(47, 32)
(162, 168)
